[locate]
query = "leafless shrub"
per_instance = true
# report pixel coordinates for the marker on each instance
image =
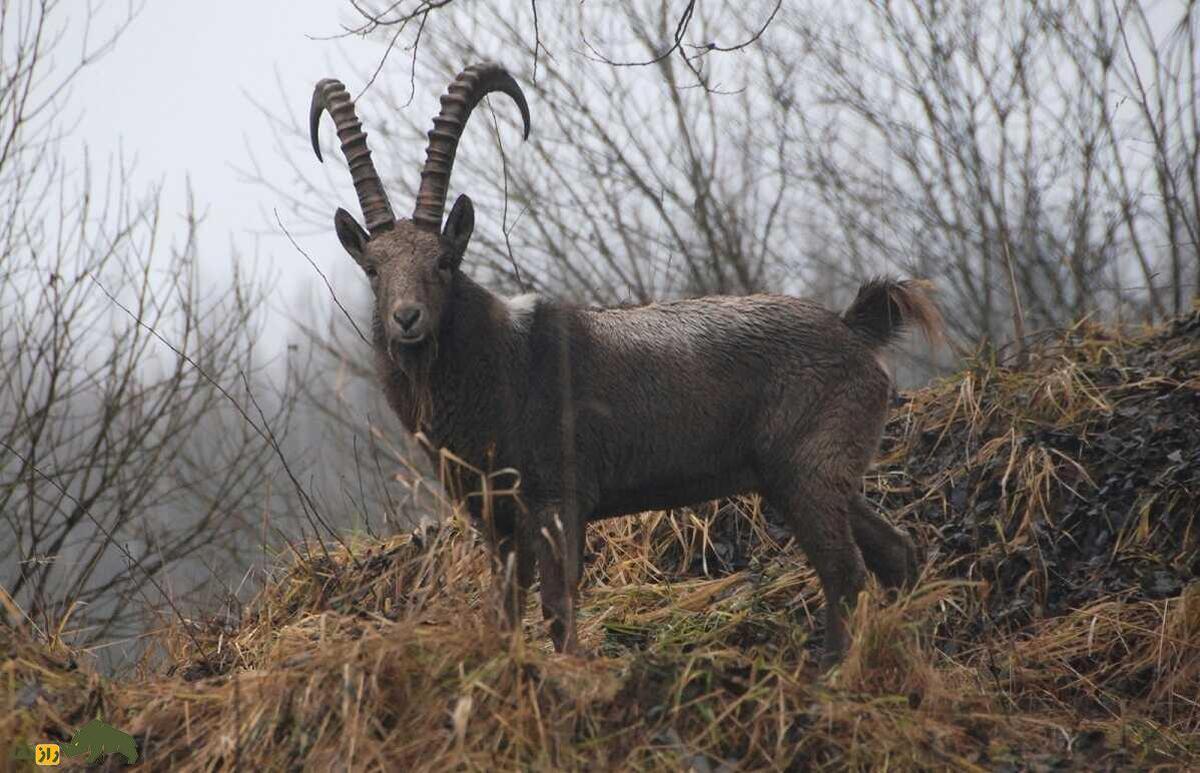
(1044, 154)
(1062, 134)
(127, 474)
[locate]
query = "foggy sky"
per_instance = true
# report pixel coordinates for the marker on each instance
(177, 95)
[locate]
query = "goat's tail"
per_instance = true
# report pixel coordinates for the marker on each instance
(885, 306)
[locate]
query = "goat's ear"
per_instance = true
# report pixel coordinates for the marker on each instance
(458, 230)
(350, 234)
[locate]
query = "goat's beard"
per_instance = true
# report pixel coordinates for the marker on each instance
(416, 364)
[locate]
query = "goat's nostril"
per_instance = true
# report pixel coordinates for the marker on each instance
(407, 316)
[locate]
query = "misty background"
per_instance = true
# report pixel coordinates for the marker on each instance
(181, 397)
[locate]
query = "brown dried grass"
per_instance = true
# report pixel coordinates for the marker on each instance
(393, 660)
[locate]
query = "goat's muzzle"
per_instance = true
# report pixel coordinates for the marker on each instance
(408, 325)
(410, 336)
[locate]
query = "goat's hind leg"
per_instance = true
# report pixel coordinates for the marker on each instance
(818, 512)
(888, 551)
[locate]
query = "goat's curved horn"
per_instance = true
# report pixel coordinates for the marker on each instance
(330, 95)
(465, 91)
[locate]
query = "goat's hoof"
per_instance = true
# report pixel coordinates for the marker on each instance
(831, 655)
(829, 661)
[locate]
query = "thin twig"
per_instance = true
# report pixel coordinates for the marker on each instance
(324, 278)
(1018, 314)
(504, 216)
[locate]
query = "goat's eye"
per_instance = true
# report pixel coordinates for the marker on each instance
(371, 272)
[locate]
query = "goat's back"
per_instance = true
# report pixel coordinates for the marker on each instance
(686, 395)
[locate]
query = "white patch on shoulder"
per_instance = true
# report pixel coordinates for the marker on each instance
(883, 364)
(521, 308)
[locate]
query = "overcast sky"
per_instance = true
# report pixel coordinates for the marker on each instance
(175, 95)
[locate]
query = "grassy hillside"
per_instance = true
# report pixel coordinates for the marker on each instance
(1057, 623)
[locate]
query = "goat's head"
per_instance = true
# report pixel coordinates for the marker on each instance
(411, 263)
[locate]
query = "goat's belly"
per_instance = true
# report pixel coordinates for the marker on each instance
(665, 494)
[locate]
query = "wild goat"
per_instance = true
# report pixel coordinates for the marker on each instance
(607, 412)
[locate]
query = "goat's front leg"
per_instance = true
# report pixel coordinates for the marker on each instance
(559, 557)
(514, 572)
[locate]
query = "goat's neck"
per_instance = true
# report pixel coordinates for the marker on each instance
(459, 401)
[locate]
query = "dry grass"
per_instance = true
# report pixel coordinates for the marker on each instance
(1030, 642)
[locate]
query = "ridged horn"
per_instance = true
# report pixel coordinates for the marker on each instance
(465, 91)
(330, 95)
